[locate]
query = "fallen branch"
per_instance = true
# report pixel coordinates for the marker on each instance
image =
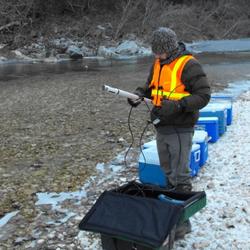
(192, 27)
(7, 26)
(231, 29)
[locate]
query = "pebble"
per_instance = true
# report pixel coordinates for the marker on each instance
(52, 235)
(40, 241)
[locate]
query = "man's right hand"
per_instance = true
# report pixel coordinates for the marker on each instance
(134, 102)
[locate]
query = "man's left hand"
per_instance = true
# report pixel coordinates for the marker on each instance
(169, 107)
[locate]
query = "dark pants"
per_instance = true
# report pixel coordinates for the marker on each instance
(174, 152)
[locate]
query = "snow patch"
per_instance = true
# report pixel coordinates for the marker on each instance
(238, 45)
(4, 220)
(55, 199)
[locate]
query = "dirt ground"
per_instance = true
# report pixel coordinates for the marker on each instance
(56, 126)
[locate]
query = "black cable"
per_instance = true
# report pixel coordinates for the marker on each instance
(171, 92)
(146, 104)
(132, 137)
(142, 134)
(140, 143)
(135, 188)
(139, 189)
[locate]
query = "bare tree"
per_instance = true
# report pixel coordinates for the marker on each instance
(128, 8)
(191, 19)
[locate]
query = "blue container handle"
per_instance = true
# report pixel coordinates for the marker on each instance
(170, 200)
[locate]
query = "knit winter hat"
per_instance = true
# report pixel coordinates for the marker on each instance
(164, 40)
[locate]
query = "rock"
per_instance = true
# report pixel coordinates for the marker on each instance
(127, 48)
(106, 52)
(74, 52)
(62, 57)
(62, 44)
(20, 240)
(121, 140)
(2, 45)
(210, 185)
(2, 59)
(60, 237)
(20, 55)
(100, 27)
(52, 235)
(86, 51)
(16, 205)
(201, 245)
(230, 225)
(37, 164)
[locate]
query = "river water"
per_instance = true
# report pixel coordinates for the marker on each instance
(212, 62)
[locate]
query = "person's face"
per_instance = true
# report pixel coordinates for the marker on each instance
(161, 56)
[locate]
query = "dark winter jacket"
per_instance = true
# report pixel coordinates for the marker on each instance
(196, 83)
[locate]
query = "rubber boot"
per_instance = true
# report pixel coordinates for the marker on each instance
(182, 229)
(184, 187)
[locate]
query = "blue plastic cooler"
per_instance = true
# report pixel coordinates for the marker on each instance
(201, 137)
(150, 171)
(149, 144)
(222, 96)
(195, 159)
(228, 101)
(216, 110)
(210, 125)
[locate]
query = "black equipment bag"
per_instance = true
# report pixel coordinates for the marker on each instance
(134, 213)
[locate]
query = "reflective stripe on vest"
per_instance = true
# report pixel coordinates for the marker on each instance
(173, 95)
(166, 81)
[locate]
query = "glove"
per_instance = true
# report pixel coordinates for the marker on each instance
(155, 115)
(135, 102)
(169, 107)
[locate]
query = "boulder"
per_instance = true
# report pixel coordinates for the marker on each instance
(127, 48)
(74, 52)
(2, 59)
(106, 52)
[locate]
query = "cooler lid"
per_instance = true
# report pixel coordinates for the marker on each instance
(220, 96)
(195, 147)
(225, 102)
(200, 136)
(149, 144)
(214, 107)
(150, 156)
(208, 119)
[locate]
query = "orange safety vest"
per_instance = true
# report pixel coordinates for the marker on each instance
(166, 81)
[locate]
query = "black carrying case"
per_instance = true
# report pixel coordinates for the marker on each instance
(132, 216)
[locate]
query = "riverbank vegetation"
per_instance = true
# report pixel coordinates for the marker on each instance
(98, 22)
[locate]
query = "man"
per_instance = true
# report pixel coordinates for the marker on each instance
(178, 88)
